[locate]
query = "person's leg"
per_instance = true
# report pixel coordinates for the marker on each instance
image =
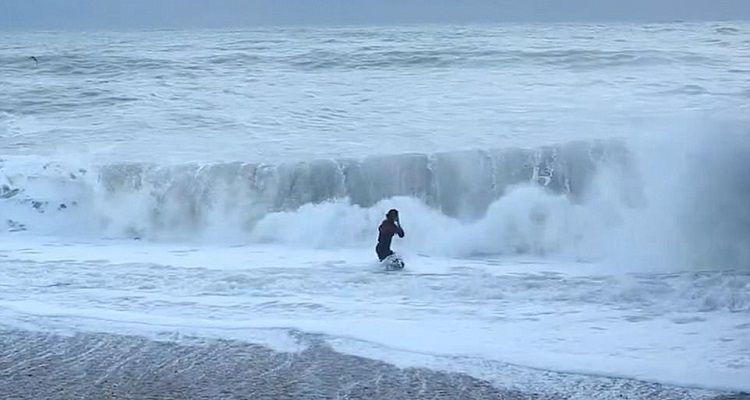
(383, 253)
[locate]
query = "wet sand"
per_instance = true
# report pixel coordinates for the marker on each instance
(102, 366)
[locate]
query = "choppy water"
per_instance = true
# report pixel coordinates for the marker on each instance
(575, 196)
(304, 93)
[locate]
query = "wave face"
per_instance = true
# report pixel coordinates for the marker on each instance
(189, 197)
(646, 204)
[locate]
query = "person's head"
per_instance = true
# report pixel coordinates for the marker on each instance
(392, 215)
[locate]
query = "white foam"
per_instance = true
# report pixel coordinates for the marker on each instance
(681, 328)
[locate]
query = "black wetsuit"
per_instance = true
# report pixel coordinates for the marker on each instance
(385, 234)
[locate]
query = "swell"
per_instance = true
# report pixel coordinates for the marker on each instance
(370, 57)
(383, 57)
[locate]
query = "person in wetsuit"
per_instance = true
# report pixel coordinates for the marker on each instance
(389, 227)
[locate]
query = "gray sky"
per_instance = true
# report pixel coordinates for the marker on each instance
(119, 14)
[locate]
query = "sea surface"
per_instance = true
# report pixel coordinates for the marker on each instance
(575, 196)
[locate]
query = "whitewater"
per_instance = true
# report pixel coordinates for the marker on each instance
(575, 197)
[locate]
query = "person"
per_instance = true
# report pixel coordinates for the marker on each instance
(389, 227)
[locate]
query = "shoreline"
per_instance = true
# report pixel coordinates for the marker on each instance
(37, 365)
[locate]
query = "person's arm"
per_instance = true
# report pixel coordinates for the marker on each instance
(399, 230)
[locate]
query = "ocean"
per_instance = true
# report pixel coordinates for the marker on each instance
(575, 196)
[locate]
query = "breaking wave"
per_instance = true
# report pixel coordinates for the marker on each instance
(152, 199)
(660, 203)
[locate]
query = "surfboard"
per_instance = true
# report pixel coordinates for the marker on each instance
(393, 263)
